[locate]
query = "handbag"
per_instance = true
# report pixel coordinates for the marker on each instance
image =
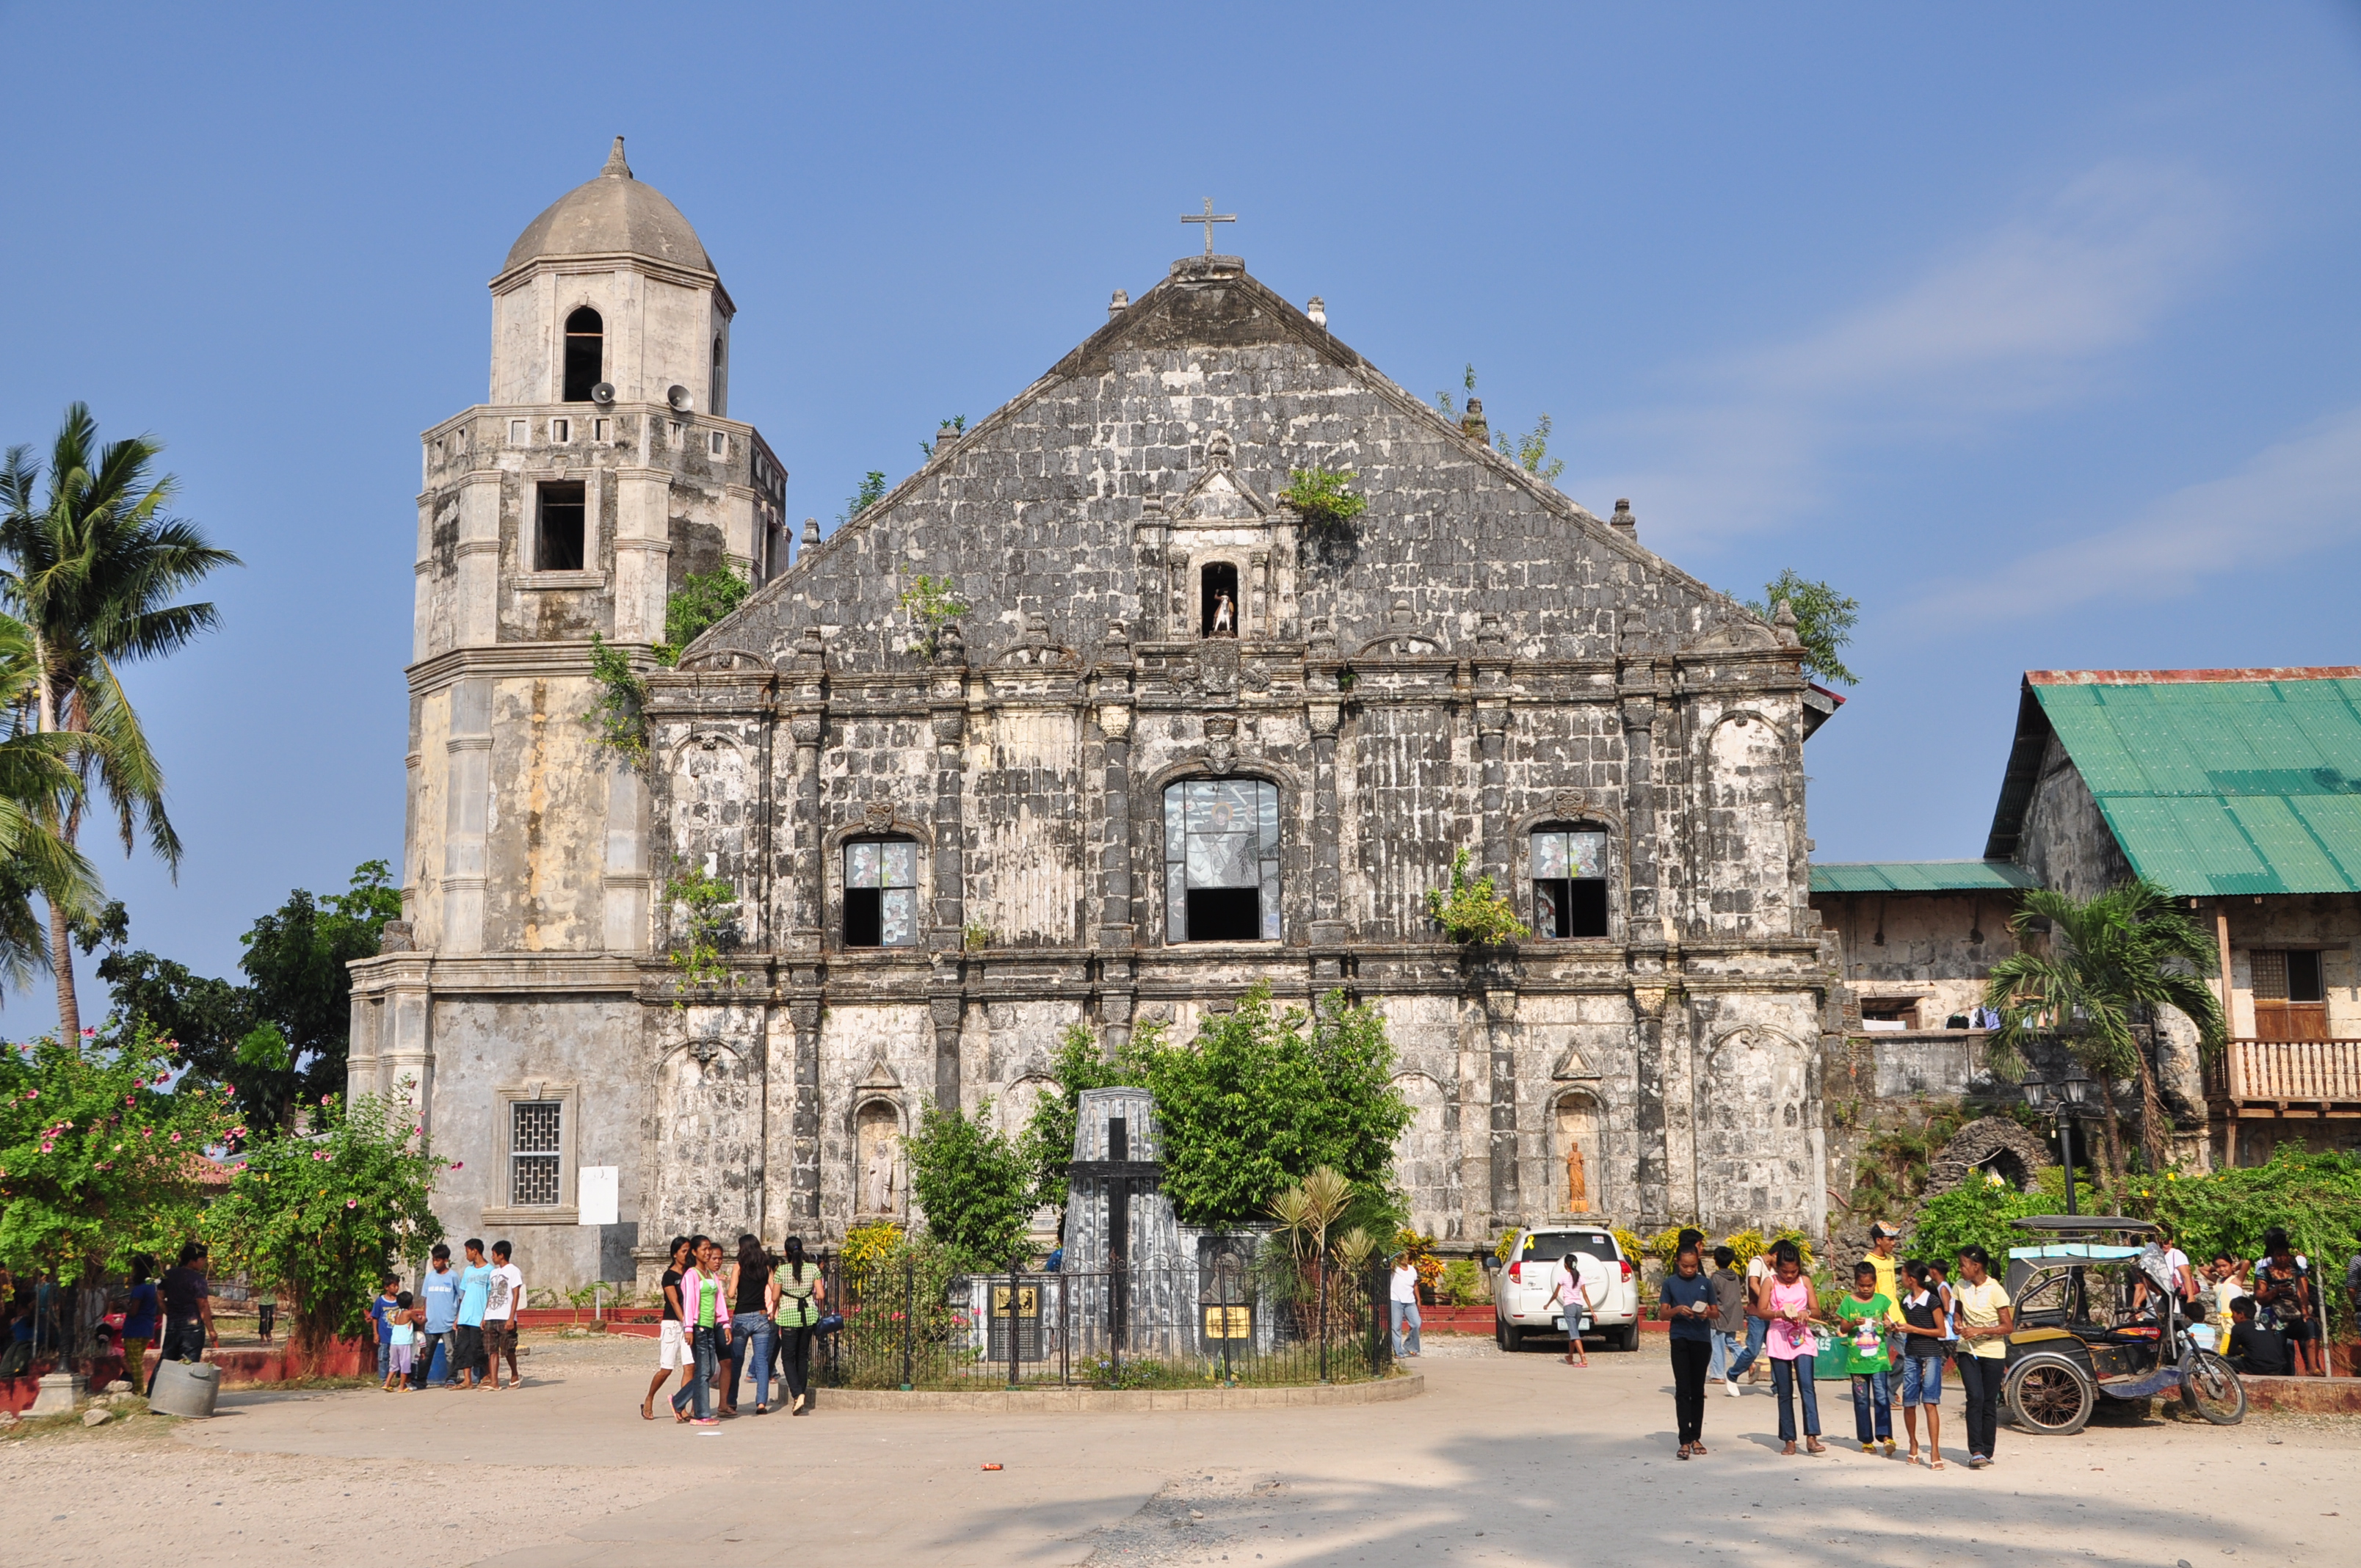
(829, 1324)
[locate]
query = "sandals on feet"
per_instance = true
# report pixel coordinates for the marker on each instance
(1684, 1453)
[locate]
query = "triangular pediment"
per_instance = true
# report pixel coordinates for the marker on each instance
(1220, 494)
(879, 1076)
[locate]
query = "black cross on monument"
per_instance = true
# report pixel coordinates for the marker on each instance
(1209, 218)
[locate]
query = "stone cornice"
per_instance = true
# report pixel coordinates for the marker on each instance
(453, 973)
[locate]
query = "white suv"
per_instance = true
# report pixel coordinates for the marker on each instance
(1521, 1292)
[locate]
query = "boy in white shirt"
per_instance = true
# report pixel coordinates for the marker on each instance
(500, 1303)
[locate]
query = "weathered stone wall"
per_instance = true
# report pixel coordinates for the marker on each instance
(2065, 842)
(1937, 949)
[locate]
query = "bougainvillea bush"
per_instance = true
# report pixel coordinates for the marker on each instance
(98, 1159)
(324, 1215)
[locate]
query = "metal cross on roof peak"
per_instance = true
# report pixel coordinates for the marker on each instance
(1209, 218)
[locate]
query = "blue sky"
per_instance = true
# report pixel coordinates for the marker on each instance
(2033, 328)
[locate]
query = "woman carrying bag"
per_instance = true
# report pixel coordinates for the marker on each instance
(753, 1296)
(801, 1295)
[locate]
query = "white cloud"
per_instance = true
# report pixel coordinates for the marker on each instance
(2292, 497)
(2022, 318)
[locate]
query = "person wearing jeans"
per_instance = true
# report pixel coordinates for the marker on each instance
(1688, 1302)
(801, 1295)
(438, 1292)
(709, 1334)
(1786, 1304)
(1729, 1320)
(1986, 1320)
(753, 1296)
(1864, 1315)
(1404, 1306)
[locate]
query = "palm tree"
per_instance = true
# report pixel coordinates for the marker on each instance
(2109, 964)
(37, 771)
(91, 568)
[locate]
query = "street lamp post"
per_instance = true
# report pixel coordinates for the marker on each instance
(2072, 1090)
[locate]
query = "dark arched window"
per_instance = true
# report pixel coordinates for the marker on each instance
(881, 892)
(713, 386)
(1220, 860)
(586, 354)
(1569, 872)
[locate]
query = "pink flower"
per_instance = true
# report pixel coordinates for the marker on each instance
(32, 1094)
(65, 1123)
(90, 1033)
(176, 1137)
(47, 1147)
(458, 1164)
(146, 1131)
(419, 1130)
(131, 1100)
(326, 1098)
(352, 1202)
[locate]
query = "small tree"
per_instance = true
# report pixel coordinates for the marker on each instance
(972, 1184)
(1324, 498)
(1474, 913)
(2108, 965)
(702, 599)
(931, 603)
(1261, 1098)
(1046, 1145)
(1824, 622)
(872, 492)
(97, 1158)
(1530, 451)
(322, 1216)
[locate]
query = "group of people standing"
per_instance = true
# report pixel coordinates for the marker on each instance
(1897, 1326)
(467, 1313)
(750, 1309)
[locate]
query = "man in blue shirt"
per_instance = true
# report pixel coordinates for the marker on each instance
(475, 1293)
(438, 1289)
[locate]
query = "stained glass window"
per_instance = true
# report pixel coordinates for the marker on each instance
(1220, 860)
(1569, 872)
(880, 894)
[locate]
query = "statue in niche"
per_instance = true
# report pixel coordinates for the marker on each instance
(1576, 1125)
(1224, 617)
(875, 1157)
(1577, 1186)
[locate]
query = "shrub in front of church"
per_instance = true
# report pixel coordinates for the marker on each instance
(972, 1184)
(322, 1216)
(98, 1158)
(1260, 1099)
(1461, 1284)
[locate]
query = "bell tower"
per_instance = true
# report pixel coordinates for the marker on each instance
(602, 470)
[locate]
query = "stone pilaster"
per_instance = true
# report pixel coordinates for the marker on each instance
(802, 691)
(803, 1204)
(467, 811)
(1118, 910)
(1501, 1038)
(1492, 739)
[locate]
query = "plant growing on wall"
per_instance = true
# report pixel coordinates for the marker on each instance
(872, 492)
(702, 599)
(706, 906)
(1824, 622)
(322, 1216)
(1474, 912)
(1530, 450)
(931, 603)
(972, 1185)
(1324, 498)
(617, 716)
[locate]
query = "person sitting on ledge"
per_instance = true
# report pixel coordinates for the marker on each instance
(2256, 1352)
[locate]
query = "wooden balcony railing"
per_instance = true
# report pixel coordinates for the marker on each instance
(2305, 1071)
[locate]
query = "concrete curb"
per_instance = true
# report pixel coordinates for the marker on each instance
(1110, 1401)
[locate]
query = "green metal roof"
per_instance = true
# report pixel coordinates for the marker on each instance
(2217, 785)
(1920, 876)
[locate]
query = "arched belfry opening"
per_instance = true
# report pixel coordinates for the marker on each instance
(586, 354)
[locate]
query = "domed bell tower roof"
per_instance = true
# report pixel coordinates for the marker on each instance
(613, 214)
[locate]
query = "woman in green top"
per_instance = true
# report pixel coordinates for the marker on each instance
(802, 1296)
(706, 1319)
(1863, 1316)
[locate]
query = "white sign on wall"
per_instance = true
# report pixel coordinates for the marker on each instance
(598, 1192)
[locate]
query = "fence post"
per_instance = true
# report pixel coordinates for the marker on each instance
(1226, 1307)
(909, 1312)
(1323, 1319)
(1380, 1287)
(1012, 1318)
(1065, 1332)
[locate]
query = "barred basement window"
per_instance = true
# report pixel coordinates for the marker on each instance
(1220, 860)
(535, 1129)
(880, 894)
(1569, 872)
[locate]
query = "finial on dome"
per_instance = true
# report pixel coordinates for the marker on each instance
(616, 167)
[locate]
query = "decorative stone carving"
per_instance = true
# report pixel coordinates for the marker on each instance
(1217, 665)
(877, 816)
(394, 938)
(1221, 741)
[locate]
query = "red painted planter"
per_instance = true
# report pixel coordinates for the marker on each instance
(240, 1369)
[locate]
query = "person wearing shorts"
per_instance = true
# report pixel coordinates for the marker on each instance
(672, 1347)
(501, 1315)
(402, 1337)
(1925, 1322)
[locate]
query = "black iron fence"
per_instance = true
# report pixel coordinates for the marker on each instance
(1148, 1326)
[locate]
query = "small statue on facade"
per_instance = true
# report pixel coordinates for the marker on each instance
(877, 1180)
(1224, 617)
(1578, 1188)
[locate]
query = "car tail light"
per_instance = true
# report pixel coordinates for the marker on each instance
(1627, 1268)
(1517, 1272)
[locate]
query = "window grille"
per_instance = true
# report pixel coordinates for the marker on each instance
(536, 1130)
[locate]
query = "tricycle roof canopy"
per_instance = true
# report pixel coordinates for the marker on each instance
(2073, 1223)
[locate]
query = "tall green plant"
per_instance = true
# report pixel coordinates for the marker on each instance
(1260, 1099)
(92, 566)
(1046, 1145)
(705, 907)
(972, 1184)
(322, 1216)
(37, 772)
(2107, 965)
(701, 600)
(1474, 913)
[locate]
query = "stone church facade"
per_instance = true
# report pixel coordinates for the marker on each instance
(1175, 739)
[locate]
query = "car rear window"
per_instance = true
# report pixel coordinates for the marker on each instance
(1555, 1245)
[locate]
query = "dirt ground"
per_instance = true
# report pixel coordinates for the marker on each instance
(1506, 1460)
